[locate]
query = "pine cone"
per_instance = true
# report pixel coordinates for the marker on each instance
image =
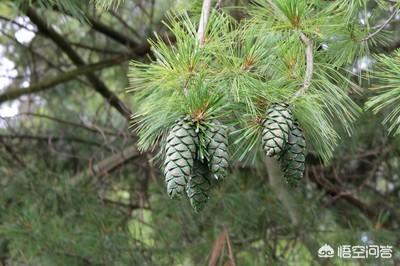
(217, 148)
(292, 159)
(180, 151)
(199, 186)
(276, 130)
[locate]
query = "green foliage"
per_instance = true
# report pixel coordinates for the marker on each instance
(388, 91)
(46, 221)
(75, 8)
(247, 67)
(124, 217)
(107, 4)
(178, 82)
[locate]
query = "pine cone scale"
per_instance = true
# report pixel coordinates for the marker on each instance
(276, 130)
(217, 147)
(179, 155)
(292, 159)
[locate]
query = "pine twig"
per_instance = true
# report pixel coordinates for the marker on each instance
(381, 27)
(218, 5)
(309, 65)
(205, 14)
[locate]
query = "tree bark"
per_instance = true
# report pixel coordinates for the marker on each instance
(107, 165)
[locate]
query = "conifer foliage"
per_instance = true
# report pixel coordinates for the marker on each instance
(254, 77)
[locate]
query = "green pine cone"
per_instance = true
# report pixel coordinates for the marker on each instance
(217, 148)
(292, 159)
(199, 186)
(180, 151)
(276, 128)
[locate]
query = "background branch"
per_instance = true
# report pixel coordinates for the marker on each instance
(13, 93)
(98, 85)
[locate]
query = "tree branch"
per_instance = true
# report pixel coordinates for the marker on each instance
(13, 93)
(112, 34)
(205, 13)
(96, 49)
(309, 65)
(97, 84)
(49, 138)
(335, 191)
(107, 165)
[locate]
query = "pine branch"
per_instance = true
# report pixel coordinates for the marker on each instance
(336, 191)
(205, 14)
(49, 139)
(13, 93)
(96, 49)
(109, 164)
(124, 23)
(105, 29)
(112, 33)
(89, 127)
(97, 84)
(309, 64)
(218, 5)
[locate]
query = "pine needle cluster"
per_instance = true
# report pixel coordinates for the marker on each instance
(388, 91)
(245, 67)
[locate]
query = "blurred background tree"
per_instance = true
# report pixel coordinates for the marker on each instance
(75, 190)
